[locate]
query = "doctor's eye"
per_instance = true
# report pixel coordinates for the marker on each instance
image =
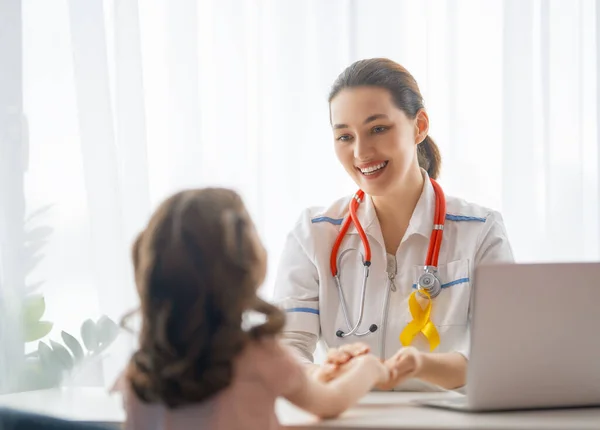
(344, 138)
(379, 129)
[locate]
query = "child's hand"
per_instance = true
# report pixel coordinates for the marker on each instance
(366, 364)
(385, 374)
(345, 353)
(336, 359)
(406, 363)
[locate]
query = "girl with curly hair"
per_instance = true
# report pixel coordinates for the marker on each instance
(198, 265)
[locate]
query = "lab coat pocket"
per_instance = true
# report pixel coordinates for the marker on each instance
(451, 306)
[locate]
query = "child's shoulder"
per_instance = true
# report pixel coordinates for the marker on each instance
(270, 354)
(267, 347)
(273, 363)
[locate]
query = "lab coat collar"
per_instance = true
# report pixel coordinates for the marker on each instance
(421, 221)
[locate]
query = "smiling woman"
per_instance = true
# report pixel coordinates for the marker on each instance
(397, 103)
(418, 286)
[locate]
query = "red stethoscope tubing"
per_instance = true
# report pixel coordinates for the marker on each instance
(435, 241)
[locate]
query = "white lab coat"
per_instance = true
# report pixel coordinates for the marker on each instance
(306, 289)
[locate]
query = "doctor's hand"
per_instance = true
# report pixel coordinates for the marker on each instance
(406, 363)
(336, 360)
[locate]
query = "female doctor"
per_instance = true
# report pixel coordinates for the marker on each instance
(391, 266)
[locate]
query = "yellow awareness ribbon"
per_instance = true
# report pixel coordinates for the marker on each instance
(420, 323)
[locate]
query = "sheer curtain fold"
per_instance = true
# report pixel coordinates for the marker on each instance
(98, 149)
(130, 117)
(129, 101)
(13, 167)
(519, 150)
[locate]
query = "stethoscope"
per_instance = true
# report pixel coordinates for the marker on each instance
(428, 284)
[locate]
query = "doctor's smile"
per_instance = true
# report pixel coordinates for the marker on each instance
(372, 170)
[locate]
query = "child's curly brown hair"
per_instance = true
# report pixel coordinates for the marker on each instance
(198, 265)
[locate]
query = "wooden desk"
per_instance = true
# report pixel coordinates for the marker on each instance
(377, 411)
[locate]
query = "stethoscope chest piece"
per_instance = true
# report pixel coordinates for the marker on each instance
(429, 282)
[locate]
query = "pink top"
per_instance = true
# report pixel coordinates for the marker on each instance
(263, 372)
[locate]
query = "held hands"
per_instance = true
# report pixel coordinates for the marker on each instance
(406, 363)
(336, 361)
(340, 360)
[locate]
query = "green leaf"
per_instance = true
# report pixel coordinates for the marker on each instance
(62, 355)
(107, 331)
(73, 345)
(35, 377)
(47, 358)
(50, 366)
(34, 307)
(89, 335)
(37, 330)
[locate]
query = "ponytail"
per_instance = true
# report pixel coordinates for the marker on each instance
(429, 157)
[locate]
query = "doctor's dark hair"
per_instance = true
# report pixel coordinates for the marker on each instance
(384, 73)
(198, 265)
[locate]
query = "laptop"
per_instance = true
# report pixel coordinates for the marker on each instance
(535, 338)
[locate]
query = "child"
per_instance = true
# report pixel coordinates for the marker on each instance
(198, 265)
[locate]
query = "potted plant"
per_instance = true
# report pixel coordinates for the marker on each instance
(53, 363)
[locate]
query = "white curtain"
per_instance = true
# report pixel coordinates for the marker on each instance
(127, 101)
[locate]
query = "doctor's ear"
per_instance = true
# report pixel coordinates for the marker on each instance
(421, 126)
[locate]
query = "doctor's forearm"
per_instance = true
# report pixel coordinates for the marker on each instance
(302, 345)
(448, 370)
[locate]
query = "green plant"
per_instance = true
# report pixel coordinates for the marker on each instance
(34, 306)
(52, 362)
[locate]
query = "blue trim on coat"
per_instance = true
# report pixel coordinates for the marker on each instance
(305, 310)
(334, 221)
(451, 217)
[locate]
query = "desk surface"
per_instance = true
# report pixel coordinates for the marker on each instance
(377, 411)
